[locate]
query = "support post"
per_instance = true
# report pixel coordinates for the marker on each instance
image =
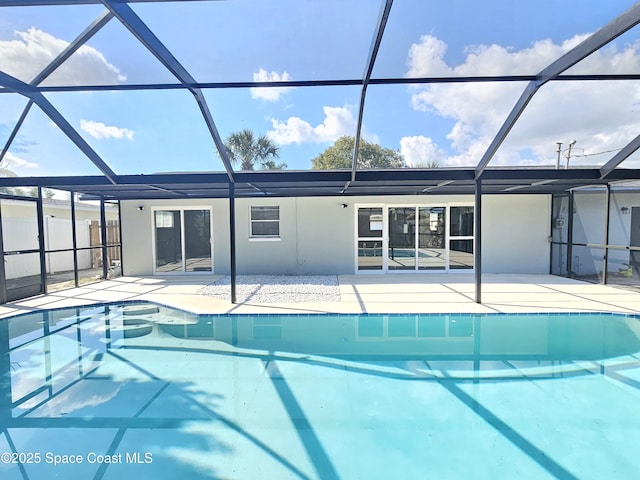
(74, 239)
(103, 240)
(232, 239)
(3, 278)
(552, 217)
(570, 235)
(41, 241)
(477, 242)
(120, 237)
(605, 258)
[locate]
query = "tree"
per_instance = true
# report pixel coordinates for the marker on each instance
(33, 192)
(370, 155)
(271, 165)
(429, 164)
(5, 172)
(244, 148)
(23, 192)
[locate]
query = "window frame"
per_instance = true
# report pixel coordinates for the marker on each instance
(259, 237)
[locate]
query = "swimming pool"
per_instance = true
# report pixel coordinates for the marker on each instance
(143, 391)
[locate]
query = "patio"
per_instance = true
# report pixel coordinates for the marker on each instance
(392, 293)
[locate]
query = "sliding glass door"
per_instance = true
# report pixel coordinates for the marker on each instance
(401, 251)
(182, 240)
(432, 250)
(415, 238)
(197, 241)
(461, 238)
(369, 241)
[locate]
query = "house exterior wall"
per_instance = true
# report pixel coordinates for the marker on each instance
(317, 235)
(316, 238)
(137, 231)
(515, 233)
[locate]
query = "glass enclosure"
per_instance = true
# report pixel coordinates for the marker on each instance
(21, 258)
(595, 235)
(74, 249)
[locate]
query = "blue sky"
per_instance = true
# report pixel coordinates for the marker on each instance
(238, 40)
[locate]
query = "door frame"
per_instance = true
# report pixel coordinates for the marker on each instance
(182, 242)
(28, 290)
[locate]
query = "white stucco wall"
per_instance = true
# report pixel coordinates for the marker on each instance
(316, 237)
(317, 234)
(515, 233)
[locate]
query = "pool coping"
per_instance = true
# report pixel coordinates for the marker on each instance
(315, 314)
(383, 294)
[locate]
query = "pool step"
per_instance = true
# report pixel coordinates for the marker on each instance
(143, 309)
(186, 330)
(136, 327)
(174, 320)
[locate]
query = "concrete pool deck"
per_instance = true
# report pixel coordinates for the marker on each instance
(391, 293)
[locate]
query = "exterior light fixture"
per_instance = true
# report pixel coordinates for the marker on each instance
(625, 210)
(344, 205)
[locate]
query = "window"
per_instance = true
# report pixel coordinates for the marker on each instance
(461, 221)
(265, 222)
(164, 219)
(414, 237)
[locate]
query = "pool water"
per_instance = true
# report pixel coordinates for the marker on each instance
(143, 391)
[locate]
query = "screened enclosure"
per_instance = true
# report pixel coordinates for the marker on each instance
(51, 245)
(125, 100)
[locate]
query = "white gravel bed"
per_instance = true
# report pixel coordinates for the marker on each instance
(277, 288)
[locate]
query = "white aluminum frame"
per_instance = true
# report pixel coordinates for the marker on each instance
(265, 238)
(182, 245)
(385, 237)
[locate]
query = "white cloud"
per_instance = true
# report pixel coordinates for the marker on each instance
(25, 56)
(294, 130)
(266, 93)
(83, 395)
(427, 58)
(420, 151)
(338, 122)
(599, 115)
(11, 161)
(101, 131)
